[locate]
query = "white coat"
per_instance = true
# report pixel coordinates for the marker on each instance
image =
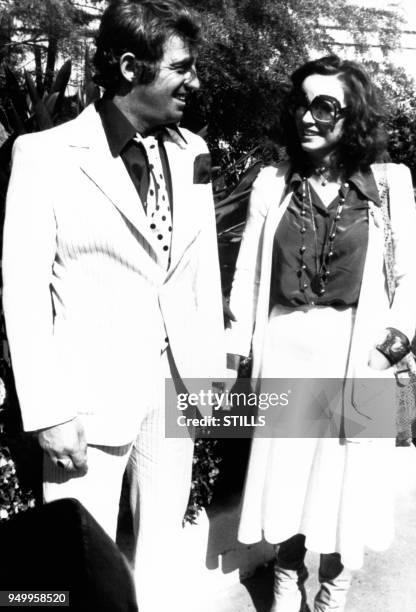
(338, 493)
(87, 306)
(250, 293)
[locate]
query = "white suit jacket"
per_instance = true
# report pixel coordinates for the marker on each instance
(250, 293)
(87, 306)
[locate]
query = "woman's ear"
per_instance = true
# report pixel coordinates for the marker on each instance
(126, 62)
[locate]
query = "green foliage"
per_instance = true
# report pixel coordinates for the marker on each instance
(398, 90)
(15, 495)
(401, 125)
(251, 46)
(204, 474)
(12, 498)
(42, 31)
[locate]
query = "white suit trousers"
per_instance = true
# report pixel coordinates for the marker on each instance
(159, 471)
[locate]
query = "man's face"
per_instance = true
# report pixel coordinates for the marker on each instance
(163, 101)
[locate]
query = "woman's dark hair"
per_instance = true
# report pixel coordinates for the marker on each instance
(141, 27)
(363, 140)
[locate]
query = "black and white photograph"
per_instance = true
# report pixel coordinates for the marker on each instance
(208, 305)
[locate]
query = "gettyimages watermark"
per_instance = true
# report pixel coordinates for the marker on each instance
(284, 408)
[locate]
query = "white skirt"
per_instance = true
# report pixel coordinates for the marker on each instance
(339, 495)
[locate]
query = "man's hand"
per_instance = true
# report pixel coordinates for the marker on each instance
(377, 361)
(66, 445)
(228, 314)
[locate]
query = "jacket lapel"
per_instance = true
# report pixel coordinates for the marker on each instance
(278, 201)
(372, 291)
(112, 179)
(109, 174)
(186, 224)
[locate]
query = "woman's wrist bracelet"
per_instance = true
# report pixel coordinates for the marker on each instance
(395, 345)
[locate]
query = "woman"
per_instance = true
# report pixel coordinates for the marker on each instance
(309, 297)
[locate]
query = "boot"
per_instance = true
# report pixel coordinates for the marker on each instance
(289, 591)
(335, 581)
(290, 575)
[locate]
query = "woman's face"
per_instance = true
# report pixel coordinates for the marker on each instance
(318, 139)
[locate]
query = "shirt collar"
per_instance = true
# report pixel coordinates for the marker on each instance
(117, 127)
(295, 179)
(119, 131)
(363, 180)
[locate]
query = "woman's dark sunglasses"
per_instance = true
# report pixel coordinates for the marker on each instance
(325, 110)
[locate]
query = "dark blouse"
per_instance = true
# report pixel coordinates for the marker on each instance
(289, 286)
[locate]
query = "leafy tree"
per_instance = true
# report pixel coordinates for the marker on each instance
(251, 46)
(402, 129)
(398, 91)
(42, 31)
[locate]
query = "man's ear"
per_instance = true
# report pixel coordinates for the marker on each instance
(126, 62)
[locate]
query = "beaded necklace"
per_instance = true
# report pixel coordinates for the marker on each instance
(323, 172)
(322, 265)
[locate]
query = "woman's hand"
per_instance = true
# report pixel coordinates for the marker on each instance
(377, 361)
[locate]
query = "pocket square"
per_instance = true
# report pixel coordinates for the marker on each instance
(202, 168)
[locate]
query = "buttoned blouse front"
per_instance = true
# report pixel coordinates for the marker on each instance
(291, 286)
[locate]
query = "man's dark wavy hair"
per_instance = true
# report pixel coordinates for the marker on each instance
(364, 139)
(141, 27)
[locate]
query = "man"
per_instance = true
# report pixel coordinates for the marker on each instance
(111, 281)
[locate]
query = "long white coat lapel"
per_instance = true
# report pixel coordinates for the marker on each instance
(186, 225)
(278, 203)
(109, 174)
(372, 291)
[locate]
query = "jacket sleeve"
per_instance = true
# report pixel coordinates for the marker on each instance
(208, 282)
(29, 247)
(403, 222)
(245, 286)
